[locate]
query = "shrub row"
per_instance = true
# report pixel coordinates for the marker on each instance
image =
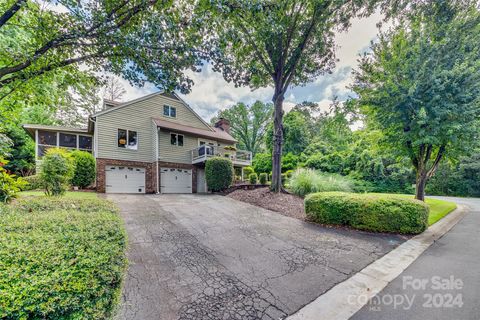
(61, 168)
(60, 259)
(253, 178)
(379, 213)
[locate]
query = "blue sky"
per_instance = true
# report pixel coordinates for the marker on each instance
(211, 93)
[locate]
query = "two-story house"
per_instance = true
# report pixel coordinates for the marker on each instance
(154, 144)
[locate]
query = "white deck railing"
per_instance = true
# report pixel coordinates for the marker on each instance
(238, 157)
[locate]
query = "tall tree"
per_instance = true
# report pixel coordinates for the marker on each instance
(277, 43)
(113, 90)
(296, 132)
(421, 85)
(248, 124)
(143, 40)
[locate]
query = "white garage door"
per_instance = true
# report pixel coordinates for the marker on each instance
(124, 179)
(175, 180)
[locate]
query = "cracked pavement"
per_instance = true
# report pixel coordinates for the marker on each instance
(212, 257)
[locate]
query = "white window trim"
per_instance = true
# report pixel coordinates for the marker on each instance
(169, 111)
(128, 132)
(177, 134)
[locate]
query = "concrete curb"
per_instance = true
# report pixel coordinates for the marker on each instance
(346, 298)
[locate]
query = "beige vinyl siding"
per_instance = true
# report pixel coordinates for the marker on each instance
(177, 154)
(138, 117)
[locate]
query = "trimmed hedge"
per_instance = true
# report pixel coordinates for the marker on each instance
(263, 178)
(218, 173)
(247, 171)
(60, 259)
(84, 173)
(377, 213)
(253, 178)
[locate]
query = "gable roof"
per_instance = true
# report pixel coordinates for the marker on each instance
(216, 134)
(172, 95)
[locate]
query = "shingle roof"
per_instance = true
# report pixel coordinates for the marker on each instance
(216, 134)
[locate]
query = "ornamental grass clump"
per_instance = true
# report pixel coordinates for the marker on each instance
(305, 181)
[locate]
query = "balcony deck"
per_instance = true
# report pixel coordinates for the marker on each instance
(240, 158)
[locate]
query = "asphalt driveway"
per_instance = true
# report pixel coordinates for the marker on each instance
(212, 257)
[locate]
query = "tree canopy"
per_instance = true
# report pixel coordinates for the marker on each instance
(420, 85)
(277, 43)
(142, 40)
(248, 124)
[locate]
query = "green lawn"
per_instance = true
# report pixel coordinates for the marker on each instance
(438, 208)
(68, 195)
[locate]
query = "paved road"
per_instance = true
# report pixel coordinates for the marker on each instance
(454, 260)
(212, 257)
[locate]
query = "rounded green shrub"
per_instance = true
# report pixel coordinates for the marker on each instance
(263, 178)
(289, 162)
(219, 173)
(84, 174)
(253, 178)
(56, 171)
(247, 171)
(262, 162)
(33, 182)
(379, 213)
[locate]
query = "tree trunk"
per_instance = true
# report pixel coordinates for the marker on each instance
(420, 185)
(276, 185)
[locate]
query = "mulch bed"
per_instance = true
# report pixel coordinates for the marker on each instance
(287, 204)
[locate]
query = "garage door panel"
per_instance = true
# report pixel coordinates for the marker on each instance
(123, 179)
(175, 180)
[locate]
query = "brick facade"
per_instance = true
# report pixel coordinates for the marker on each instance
(150, 172)
(163, 164)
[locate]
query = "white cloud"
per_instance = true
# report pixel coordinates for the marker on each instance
(211, 92)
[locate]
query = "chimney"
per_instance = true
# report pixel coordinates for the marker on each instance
(223, 124)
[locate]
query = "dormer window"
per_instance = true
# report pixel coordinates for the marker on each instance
(169, 111)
